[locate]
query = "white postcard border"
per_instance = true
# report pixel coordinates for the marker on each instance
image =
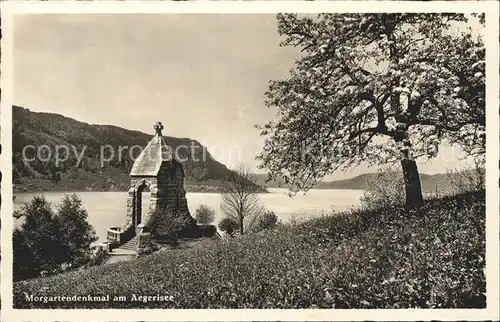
(8, 9)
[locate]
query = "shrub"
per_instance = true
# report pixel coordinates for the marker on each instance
(146, 245)
(209, 231)
(205, 214)
(229, 226)
(384, 189)
(99, 257)
(168, 228)
(467, 179)
(267, 220)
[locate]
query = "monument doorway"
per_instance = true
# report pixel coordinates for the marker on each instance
(142, 204)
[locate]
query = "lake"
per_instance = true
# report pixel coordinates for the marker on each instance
(107, 209)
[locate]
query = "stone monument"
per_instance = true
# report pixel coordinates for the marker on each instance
(159, 170)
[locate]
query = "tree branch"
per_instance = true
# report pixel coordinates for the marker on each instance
(448, 127)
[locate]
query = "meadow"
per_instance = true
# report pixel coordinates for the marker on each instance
(366, 258)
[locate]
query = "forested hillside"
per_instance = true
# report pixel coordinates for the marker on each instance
(430, 183)
(38, 129)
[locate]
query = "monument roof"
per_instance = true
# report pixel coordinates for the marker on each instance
(154, 154)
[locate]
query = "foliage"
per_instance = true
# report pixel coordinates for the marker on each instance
(374, 88)
(166, 227)
(99, 257)
(240, 198)
(148, 250)
(76, 232)
(385, 189)
(23, 265)
(228, 225)
(146, 245)
(268, 220)
(468, 179)
(49, 242)
(37, 246)
(204, 214)
(388, 258)
(210, 231)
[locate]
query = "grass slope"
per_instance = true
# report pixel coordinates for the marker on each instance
(386, 258)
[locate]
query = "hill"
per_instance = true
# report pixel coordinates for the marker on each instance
(430, 183)
(378, 258)
(38, 129)
(203, 172)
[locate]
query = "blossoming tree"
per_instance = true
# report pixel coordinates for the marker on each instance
(375, 88)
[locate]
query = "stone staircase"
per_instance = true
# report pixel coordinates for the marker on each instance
(131, 245)
(125, 252)
(127, 249)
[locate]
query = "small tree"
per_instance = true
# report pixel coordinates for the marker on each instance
(38, 245)
(240, 198)
(204, 214)
(228, 225)
(77, 234)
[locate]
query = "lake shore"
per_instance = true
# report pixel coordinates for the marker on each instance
(108, 209)
(24, 188)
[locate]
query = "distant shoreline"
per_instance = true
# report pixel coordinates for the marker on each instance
(106, 191)
(79, 191)
(84, 190)
(122, 185)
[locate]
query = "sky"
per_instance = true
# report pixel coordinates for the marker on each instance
(203, 76)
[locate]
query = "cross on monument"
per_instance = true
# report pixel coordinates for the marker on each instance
(158, 127)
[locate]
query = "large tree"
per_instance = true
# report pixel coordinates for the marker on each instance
(375, 88)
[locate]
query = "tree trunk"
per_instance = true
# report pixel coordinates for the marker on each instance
(413, 188)
(241, 225)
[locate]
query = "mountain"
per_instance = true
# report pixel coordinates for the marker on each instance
(45, 132)
(52, 130)
(430, 183)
